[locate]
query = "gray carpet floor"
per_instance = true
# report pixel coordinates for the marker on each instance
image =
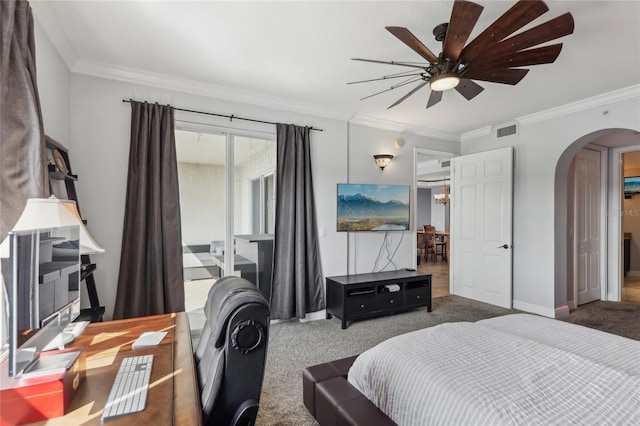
(294, 345)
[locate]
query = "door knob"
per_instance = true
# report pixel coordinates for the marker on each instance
(504, 246)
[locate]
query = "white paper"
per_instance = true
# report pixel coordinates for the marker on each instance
(149, 338)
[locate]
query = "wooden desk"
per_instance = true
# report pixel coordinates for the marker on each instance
(173, 397)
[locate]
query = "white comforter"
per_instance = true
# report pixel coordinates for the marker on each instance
(517, 369)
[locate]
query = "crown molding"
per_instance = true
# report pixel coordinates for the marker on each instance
(593, 102)
(396, 126)
(48, 20)
(475, 134)
(146, 78)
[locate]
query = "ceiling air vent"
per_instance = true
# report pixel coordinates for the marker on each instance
(509, 130)
(445, 163)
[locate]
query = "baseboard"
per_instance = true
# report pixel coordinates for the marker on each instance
(536, 309)
(634, 274)
(314, 316)
(572, 305)
(562, 311)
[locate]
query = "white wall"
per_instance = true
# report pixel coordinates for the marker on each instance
(54, 80)
(539, 262)
(201, 203)
(364, 142)
(423, 207)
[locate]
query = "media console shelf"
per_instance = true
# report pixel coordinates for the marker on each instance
(359, 296)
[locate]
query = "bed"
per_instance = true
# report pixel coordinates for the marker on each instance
(510, 370)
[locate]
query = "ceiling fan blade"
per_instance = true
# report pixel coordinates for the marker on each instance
(468, 88)
(434, 98)
(539, 55)
(464, 16)
(405, 36)
(414, 90)
(501, 75)
(558, 27)
(519, 15)
(404, 83)
(402, 64)
(387, 77)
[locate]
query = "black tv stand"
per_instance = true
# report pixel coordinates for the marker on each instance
(360, 296)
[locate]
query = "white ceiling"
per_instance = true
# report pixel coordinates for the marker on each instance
(297, 54)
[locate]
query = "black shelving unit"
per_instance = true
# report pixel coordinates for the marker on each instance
(360, 296)
(96, 311)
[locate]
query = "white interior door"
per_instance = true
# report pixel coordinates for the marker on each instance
(482, 226)
(586, 221)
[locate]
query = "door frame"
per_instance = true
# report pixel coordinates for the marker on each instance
(573, 304)
(228, 133)
(615, 271)
(438, 155)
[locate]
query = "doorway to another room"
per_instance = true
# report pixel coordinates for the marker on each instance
(433, 209)
(631, 227)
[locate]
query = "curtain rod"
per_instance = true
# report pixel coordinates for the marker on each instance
(230, 117)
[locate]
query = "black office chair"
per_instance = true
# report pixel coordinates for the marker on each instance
(231, 354)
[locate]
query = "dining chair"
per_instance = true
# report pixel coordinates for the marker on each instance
(432, 244)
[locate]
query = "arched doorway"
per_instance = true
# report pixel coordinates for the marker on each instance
(612, 142)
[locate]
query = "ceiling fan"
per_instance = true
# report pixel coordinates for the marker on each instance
(493, 56)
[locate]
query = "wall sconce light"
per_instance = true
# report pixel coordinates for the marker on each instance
(383, 160)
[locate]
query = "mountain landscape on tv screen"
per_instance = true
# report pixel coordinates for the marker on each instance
(361, 212)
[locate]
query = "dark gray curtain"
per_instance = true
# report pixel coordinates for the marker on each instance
(297, 271)
(151, 280)
(22, 147)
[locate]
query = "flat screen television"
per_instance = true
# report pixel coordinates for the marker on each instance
(371, 207)
(44, 295)
(631, 184)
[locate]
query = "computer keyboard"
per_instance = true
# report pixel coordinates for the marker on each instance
(130, 387)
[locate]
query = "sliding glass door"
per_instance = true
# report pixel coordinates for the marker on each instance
(218, 203)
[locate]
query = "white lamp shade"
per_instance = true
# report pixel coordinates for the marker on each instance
(43, 213)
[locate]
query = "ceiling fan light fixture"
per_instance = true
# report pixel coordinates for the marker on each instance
(442, 82)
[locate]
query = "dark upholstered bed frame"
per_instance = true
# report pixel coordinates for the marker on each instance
(332, 400)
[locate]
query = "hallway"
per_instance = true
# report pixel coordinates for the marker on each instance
(440, 276)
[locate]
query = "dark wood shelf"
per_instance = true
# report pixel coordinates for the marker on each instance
(87, 270)
(360, 296)
(61, 153)
(58, 175)
(91, 314)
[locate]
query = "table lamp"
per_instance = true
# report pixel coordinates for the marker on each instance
(52, 212)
